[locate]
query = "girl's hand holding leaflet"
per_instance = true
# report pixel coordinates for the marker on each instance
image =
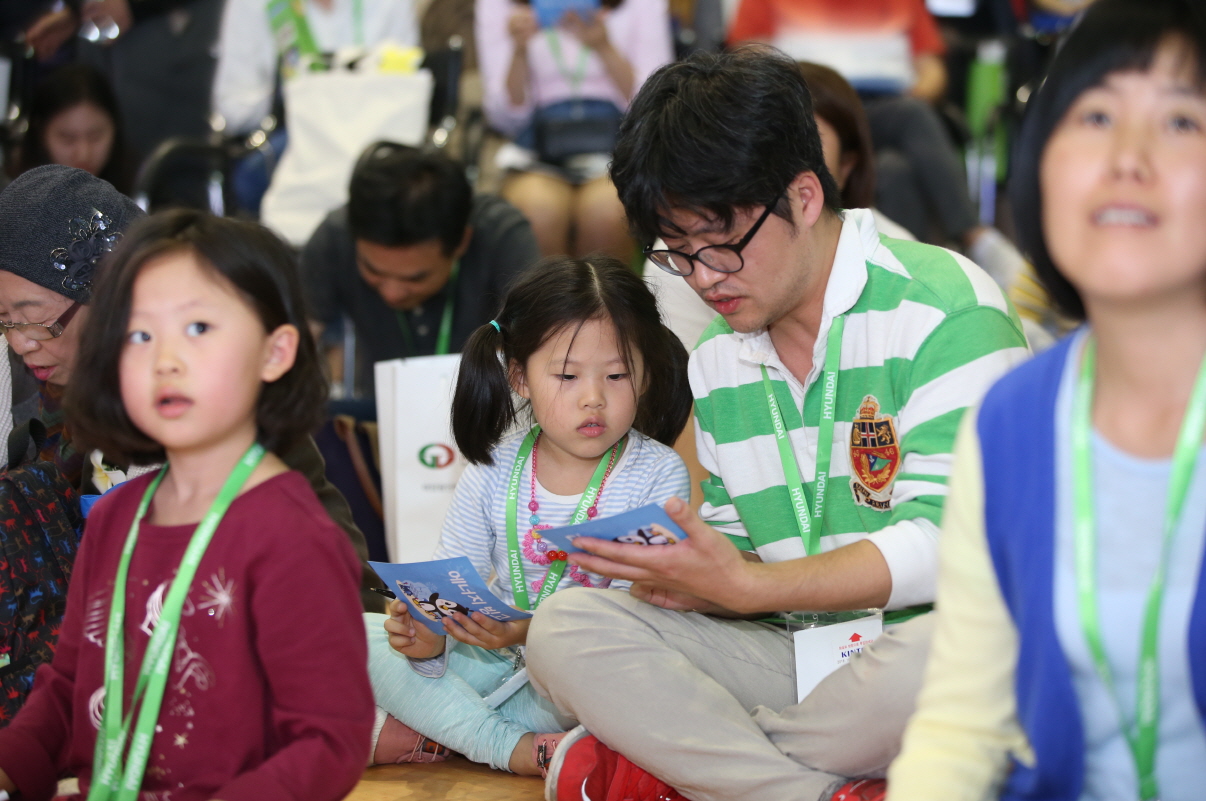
(485, 632)
(410, 638)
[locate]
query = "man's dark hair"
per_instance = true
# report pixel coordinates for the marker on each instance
(261, 269)
(402, 196)
(1113, 36)
(716, 133)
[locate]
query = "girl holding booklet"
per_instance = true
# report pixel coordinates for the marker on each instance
(605, 385)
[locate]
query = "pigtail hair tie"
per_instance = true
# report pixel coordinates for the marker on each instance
(496, 326)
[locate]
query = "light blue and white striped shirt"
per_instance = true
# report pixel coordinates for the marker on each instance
(476, 524)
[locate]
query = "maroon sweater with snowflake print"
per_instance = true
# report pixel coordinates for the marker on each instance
(268, 695)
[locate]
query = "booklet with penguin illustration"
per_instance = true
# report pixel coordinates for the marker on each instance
(647, 525)
(440, 587)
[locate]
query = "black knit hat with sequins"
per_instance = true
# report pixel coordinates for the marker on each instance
(56, 225)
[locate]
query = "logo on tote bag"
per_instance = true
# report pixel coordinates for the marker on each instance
(437, 456)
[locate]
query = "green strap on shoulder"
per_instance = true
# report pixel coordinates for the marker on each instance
(809, 523)
(294, 40)
(118, 770)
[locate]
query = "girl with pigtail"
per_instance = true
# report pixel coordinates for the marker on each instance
(602, 392)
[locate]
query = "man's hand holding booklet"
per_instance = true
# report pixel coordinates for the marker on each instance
(648, 525)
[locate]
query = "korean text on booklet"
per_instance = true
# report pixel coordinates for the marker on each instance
(550, 12)
(648, 525)
(440, 587)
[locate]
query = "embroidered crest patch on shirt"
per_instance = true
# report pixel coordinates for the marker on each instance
(874, 456)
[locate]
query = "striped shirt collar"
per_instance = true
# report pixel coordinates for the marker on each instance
(847, 280)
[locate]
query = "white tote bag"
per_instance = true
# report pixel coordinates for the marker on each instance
(420, 464)
(332, 117)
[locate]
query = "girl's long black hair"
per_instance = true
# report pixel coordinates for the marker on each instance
(555, 294)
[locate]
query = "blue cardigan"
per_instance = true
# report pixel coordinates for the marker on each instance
(1016, 429)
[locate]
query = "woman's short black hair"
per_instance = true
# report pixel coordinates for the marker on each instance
(262, 270)
(555, 294)
(65, 88)
(1113, 36)
(400, 196)
(835, 101)
(715, 133)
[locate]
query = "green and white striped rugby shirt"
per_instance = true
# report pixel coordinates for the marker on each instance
(926, 333)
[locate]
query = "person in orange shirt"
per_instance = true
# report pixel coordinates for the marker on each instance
(891, 52)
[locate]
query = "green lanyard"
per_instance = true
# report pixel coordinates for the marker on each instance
(810, 529)
(553, 577)
(444, 338)
(358, 21)
(112, 780)
(579, 74)
(291, 28)
(1143, 735)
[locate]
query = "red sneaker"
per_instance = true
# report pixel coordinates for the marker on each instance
(583, 769)
(862, 790)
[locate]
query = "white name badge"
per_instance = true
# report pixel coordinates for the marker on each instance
(826, 641)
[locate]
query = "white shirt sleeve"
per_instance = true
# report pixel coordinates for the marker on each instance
(910, 547)
(495, 49)
(246, 71)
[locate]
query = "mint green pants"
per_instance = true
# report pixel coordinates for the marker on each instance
(450, 709)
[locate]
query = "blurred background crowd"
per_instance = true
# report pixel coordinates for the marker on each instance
(186, 103)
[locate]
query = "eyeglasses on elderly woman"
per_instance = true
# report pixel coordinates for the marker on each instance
(40, 332)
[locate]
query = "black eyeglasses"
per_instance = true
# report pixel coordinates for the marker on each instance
(721, 258)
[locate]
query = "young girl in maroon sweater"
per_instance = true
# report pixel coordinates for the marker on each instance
(230, 662)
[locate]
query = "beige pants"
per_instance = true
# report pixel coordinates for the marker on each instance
(708, 705)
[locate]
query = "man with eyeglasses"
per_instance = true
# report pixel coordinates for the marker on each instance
(827, 393)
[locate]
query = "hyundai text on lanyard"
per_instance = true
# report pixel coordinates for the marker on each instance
(809, 523)
(115, 778)
(514, 557)
(444, 337)
(1142, 736)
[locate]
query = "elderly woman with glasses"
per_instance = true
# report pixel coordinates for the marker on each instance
(57, 224)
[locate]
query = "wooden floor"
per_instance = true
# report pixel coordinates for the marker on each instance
(458, 779)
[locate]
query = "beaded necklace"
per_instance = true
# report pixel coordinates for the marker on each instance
(534, 546)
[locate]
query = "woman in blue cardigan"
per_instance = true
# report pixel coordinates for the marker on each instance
(1070, 656)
